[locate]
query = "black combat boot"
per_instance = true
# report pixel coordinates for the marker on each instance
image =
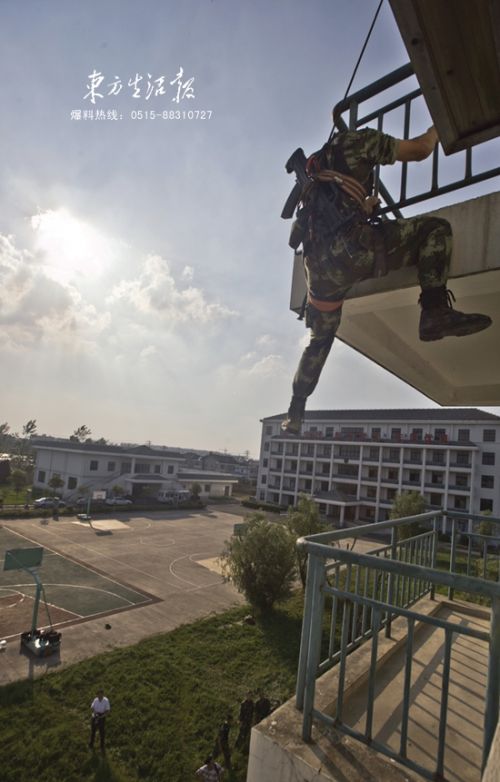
(438, 319)
(295, 416)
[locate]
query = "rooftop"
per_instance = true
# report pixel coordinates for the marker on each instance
(451, 415)
(89, 447)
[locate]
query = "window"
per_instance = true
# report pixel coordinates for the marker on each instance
(436, 500)
(415, 456)
(376, 432)
(170, 469)
(488, 458)
(391, 494)
(207, 488)
(265, 462)
(463, 435)
(489, 435)
(157, 469)
(111, 466)
(266, 446)
(394, 454)
(373, 453)
(262, 495)
(352, 432)
(463, 458)
(396, 433)
(460, 503)
(440, 435)
(461, 480)
(143, 468)
(41, 476)
(72, 483)
(393, 475)
(348, 452)
(438, 457)
(373, 473)
(371, 492)
(126, 467)
(94, 465)
(487, 481)
(485, 504)
(417, 434)
(329, 431)
(414, 476)
(437, 478)
(269, 429)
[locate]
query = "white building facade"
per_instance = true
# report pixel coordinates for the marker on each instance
(354, 462)
(140, 471)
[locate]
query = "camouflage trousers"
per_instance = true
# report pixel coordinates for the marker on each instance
(364, 252)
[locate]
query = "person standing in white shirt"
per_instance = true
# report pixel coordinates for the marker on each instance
(100, 708)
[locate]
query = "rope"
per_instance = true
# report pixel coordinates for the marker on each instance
(360, 57)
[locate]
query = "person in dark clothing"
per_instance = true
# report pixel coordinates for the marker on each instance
(246, 717)
(337, 259)
(262, 707)
(222, 741)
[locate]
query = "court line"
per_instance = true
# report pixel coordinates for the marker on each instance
(82, 586)
(87, 567)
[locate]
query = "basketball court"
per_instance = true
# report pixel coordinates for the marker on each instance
(113, 581)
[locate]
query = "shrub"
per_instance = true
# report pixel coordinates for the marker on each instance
(261, 562)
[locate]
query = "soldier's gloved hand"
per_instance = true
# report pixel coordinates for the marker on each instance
(371, 204)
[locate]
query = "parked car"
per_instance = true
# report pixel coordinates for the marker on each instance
(118, 501)
(49, 502)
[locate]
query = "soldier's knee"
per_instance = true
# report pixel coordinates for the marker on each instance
(442, 226)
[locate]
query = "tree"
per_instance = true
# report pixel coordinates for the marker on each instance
(55, 483)
(81, 433)
(4, 471)
(29, 428)
(117, 490)
(195, 490)
(4, 434)
(261, 561)
(303, 520)
(409, 503)
(19, 480)
(487, 527)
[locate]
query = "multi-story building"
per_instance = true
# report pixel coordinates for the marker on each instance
(354, 462)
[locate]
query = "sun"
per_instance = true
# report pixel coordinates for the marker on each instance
(70, 248)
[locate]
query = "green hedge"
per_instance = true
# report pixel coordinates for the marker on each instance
(270, 506)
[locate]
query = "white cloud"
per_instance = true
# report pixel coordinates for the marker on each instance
(267, 366)
(147, 352)
(188, 273)
(70, 247)
(155, 291)
(34, 306)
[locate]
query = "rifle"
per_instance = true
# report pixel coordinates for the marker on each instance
(297, 164)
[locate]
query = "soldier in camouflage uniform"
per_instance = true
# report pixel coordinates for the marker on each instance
(335, 261)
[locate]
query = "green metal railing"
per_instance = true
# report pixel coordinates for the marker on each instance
(356, 596)
(351, 106)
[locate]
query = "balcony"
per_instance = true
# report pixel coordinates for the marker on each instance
(393, 663)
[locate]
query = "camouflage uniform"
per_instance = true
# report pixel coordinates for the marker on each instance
(334, 264)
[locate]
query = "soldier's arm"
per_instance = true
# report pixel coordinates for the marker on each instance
(417, 148)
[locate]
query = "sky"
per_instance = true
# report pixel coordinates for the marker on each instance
(144, 268)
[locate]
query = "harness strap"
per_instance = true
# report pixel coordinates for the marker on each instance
(348, 184)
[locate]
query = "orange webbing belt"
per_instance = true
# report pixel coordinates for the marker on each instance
(324, 306)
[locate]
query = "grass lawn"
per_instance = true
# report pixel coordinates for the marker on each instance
(168, 695)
